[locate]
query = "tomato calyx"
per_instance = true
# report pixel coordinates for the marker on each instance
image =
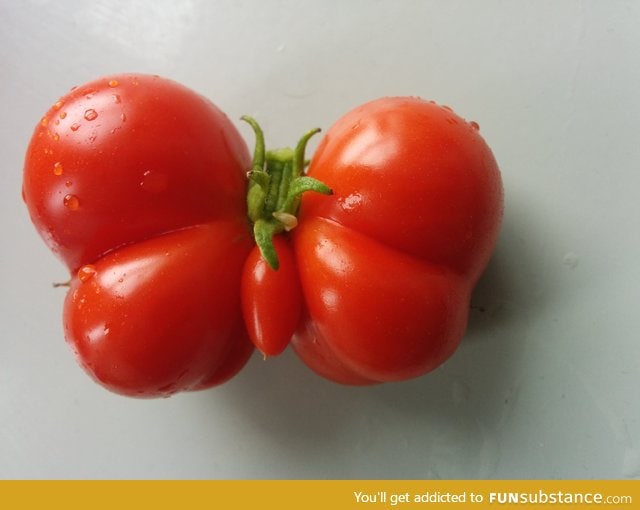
(276, 184)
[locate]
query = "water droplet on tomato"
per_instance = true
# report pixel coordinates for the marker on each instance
(85, 273)
(58, 105)
(68, 184)
(113, 83)
(90, 114)
(56, 137)
(63, 115)
(116, 98)
(474, 125)
(123, 117)
(44, 122)
(350, 202)
(71, 202)
(57, 168)
(154, 182)
(75, 126)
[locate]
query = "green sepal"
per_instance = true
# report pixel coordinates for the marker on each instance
(263, 232)
(276, 184)
(301, 185)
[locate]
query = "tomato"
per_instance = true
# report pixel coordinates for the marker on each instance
(272, 300)
(146, 191)
(387, 262)
(138, 184)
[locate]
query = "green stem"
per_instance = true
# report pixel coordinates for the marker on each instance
(276, 184)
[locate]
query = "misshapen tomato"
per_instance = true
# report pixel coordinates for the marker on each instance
(140, 187)
(388, 262)
(138, 184)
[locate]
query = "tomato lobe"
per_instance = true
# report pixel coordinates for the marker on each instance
(158, 158)
(388, 261)
(138, 184)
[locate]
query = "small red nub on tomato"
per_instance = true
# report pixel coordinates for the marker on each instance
(271, 300)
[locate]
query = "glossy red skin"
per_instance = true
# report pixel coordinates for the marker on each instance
(271, 300)
(388, 262)
(144, 181)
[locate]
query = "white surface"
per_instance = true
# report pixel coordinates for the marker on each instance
(545, 384)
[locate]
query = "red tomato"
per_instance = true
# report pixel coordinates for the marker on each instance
(388, 262)
(271, 299)
(138, 184)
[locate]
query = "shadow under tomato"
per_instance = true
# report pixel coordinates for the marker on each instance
(299, 422)
(513, 280)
